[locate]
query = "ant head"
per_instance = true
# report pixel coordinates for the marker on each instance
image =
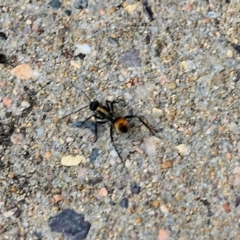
(94, 105)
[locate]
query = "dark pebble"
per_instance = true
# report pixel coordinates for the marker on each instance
(80, 4)
(94, 155)
(3, 58)
(37, 235)
(124, 203)
(70, 224)
(236, 47)
(147, 39)
(112, 203)
(112, 40)
(55, 4)
(68, 12)
(81, 55)
(131, 58)
(237, 201)
(135, 189)
(3, 36)
(237, 78)
(47, 107)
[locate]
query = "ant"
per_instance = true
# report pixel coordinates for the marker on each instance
(105, 114)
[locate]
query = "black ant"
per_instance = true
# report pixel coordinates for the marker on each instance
(105, 114)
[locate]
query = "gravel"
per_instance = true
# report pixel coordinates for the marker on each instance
(175, 64)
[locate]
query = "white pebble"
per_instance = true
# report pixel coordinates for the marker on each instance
(82, 48)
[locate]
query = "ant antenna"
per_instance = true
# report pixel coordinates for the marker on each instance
(71, 114)
(82, 91)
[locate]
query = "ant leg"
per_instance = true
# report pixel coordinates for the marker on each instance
(97, 117)
(111, 135)
(141, 120)
(110, 104)
(96, 132)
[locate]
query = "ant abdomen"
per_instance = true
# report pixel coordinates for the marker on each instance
(120, 124)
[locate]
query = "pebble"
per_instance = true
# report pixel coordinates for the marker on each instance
(124, 203)
(55, 4)
(48, 154)
(70, 223)
(17, 138)
(7, 101)
(183, 149)
(40, 131)
(135, 189)
(103, 192)
(70, 160)
(25, 104)
(94, 155)
(131, 58)
(167, 164)
(83, 49)
(3, 36)
(80, 4)
(68, 12)
(163, 234)
(157, 112)
(149, 145)
(22, 71)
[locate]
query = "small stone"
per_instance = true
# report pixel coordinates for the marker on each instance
(40, 131)
(22, 71)
(156, 204)
(138, 220)
(83, 49)
(57, 198)
(124, 203)
(70, 223)
(69, 139)
(80, 4)
(55, 4)
(3, 36)
(48, 154)
(163, 234)
(103, 192)
(229, 53)
(226, 207)
(75, 64)
(149, 145)
(131, 58)
(94, 155)
(25, 104)
(11, 175)
(17, 138)
(70, 160)
(184, 66)
(112, 10)
(172, 85)
(135, 189)
(3, 58)
(157, 112)
(164, 209)
(237, 201)
(130, 7)
(28, 22)
(68, 12)
(183, 149)
(7, 101)
(167, 164)
(218, 79)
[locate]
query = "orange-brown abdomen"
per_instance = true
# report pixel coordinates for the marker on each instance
(120, 124)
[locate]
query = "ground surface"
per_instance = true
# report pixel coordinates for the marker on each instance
(180, 68)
